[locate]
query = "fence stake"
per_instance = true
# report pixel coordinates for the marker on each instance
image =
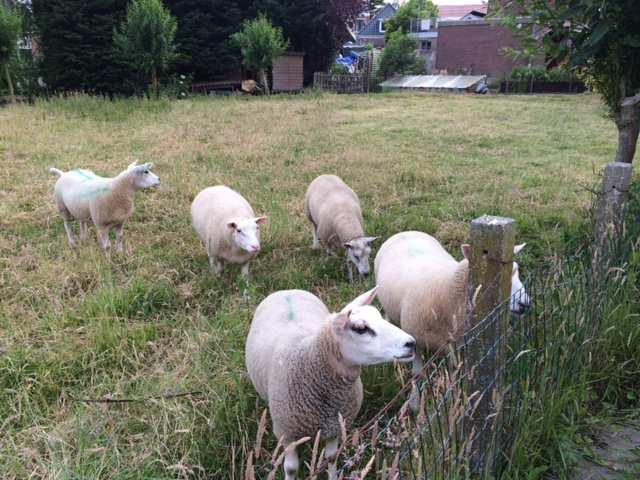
(490, 268)
(610, 215)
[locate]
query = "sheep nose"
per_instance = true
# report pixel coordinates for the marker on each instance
(365, 274)
(255, 248)
(411, 344)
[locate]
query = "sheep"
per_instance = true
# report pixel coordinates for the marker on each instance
(306, 362)
(107, 202)
(227, 226)
(422, 288)
(336, 220)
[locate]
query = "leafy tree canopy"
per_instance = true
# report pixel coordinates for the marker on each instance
(413, 9)
(599, 39)
(400, 56)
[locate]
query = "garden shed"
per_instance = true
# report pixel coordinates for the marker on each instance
(288, 72)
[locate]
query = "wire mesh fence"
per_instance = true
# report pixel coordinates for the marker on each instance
(464, 428)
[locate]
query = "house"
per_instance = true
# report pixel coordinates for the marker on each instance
(373, 31)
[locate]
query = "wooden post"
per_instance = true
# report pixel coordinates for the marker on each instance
(489, 287)
(610, 215)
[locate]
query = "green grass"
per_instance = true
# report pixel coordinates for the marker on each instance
(154, 321)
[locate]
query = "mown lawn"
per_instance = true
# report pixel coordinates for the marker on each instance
(152, 322)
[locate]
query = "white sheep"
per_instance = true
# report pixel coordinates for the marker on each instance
(336, 220)
(423, 289)
(108, 202)
(306, 363)
(227, 226)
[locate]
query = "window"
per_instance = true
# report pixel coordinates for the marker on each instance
(381, 26)
(426, 45)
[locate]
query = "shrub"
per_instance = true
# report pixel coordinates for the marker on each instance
(400, 57)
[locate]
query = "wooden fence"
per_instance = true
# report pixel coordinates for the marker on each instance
(348, 83)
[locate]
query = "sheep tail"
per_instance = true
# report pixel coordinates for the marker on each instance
(56, 171)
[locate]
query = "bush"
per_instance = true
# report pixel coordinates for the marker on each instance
(177, 86)
(524, 73)
(400, 57)
(338, 69)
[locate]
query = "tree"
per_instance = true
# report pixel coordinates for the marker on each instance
(412, 10)
(204, 27)
(400, 56)
(260, 44)
(146, 38)
(10, 31)
(75, 39)
(601, 41)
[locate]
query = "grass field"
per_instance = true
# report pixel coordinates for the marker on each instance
(153, 321)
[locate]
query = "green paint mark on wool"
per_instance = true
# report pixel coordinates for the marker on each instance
(416, 250)
(291, 315)
(86, 174)
(93, 193)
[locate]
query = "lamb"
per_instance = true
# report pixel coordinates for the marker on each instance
(336, 220)
(227, 226)
(305, 362)
(107, 202)
(422, 288)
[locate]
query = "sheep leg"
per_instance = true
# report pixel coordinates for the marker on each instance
(350, 270)
(330, 453)
(291, 464)
(215, 265)
(316, 242)
(66, 218)
(120, 238)
(245, 271)
(416, 369)
(103, 237)
(84, 227)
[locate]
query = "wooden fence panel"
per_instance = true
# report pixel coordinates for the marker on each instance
(351, 83)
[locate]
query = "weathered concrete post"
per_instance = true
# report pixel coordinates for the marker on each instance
(611, 210)
(489, 285)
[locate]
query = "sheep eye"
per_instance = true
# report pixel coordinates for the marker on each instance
(360, 330)
(146, 171)
(357, 258)
(238, 230)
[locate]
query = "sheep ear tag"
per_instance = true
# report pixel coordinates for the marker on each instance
(466, 250)
(362, 300)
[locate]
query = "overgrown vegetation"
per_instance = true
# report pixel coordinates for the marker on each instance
(411, 11)
(10, 31)
(153, 322)
(400, 57)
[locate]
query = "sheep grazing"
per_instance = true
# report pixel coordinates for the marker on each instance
(306, 363)
(422, 288)
(336, 220)
(107, 202)
(227, 226)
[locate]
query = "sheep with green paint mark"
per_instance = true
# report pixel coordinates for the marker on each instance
(305, 362)
(108, 202)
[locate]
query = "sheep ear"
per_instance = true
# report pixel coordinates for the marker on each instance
(132, 165)
(518, 248)
(148, 165)
(347, 245)
(466, 250)
(260, 220)
(364, 299)
(370, 240)
(232, 225)
(341, 320)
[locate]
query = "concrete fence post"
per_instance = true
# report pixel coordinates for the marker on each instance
(616, 181)
(489, 285)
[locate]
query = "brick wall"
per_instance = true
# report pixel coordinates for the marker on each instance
(474, 47)
(288, 73)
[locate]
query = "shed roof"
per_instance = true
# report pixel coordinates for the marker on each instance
(459, 11)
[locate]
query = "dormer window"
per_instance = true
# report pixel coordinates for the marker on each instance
(381, 26)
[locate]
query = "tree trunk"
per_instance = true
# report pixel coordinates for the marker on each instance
(265, 81)
(12, 95)
(628, 123)
(154, 82)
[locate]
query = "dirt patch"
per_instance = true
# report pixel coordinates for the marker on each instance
(615, 455)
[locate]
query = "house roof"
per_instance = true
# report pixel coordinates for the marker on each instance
(458, 11)
(373, 27)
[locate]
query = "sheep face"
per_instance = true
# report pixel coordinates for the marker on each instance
(358, 251)
(520, 301)
(246, 233)
(365, 338)
(143, 177)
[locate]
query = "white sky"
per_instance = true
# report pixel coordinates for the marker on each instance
(451, 2)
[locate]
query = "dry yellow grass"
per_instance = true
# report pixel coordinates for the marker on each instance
(153, 321)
